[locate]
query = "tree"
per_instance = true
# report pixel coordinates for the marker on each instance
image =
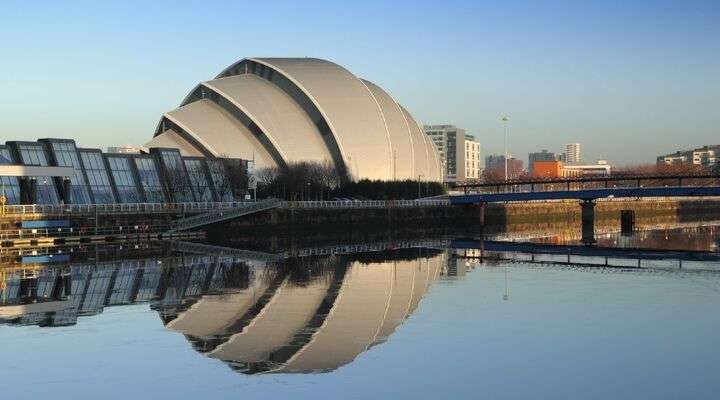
(320, 181)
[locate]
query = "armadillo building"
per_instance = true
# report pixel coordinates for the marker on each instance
(278, 111)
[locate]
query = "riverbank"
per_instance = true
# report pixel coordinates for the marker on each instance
(548, 216)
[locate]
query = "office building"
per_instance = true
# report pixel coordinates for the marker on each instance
(459, 152)
(556, 169)
(543, 155)
(278, 111)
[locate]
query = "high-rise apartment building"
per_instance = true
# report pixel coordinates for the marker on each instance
(572, 153)
(543, 155)
(459, 152)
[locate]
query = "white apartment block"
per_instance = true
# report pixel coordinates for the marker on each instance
(572, 153)
(459, 152)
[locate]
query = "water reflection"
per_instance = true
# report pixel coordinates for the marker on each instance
(301, 314)
(303, 310)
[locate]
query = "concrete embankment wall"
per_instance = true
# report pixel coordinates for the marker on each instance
(565, 215)
(499, 218)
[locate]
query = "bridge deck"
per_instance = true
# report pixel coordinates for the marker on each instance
(586, 251)
(587, 194)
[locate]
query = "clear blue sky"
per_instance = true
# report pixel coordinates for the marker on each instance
(627, 79)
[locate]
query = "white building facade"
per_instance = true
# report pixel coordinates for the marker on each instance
(572, 153)
(459, 152)
(279, 111)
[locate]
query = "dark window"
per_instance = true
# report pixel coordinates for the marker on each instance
(97, 176)
(124, 180)
(176, 177)
(198, 179)
(150, 179)
(220, 180)
(66, 155)
(9, 185)
(34, 154)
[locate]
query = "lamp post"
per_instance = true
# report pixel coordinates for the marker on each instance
(506, 132)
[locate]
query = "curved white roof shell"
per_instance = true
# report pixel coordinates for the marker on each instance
(285, 110)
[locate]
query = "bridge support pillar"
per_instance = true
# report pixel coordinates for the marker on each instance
(627, 222)
(481, 211)
(588, 221)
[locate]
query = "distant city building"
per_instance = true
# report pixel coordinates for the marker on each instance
(543, 155)
(706, 156)
(125, 150)
(556, 169)
(459, 152)
(547, 169)
(572, 153)
(600, 168)
(495, 167)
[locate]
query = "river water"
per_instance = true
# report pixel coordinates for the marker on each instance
(633, 317)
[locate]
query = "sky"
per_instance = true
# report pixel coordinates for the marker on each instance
(628, 79)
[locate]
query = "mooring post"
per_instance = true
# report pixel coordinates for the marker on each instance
(588, 221)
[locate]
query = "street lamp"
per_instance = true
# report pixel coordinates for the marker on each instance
(506, 132)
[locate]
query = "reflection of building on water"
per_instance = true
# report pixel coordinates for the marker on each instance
(325, 320)
(57, 295)
(297, 315)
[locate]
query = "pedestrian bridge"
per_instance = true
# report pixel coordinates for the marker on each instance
(587, 194)
(523, 191)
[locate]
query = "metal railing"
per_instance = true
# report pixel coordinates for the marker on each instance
(145, 208)
(195, 208)
(224, 214)
(40, 233)
(366, 203)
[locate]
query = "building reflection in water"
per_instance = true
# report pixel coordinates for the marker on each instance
(309, 310)
(296, 315)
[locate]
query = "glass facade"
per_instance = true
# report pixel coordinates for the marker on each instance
(173, 284)
(198, 179)
(122, 291)
(163, 176)
(9, 185)
(97, 175)
(34, 154)
(178, 184)
(149, 179)
(124, 178)
(219, 180)
(65, 155)
(98, 286)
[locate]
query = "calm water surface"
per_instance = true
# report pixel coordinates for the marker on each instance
(427, 322)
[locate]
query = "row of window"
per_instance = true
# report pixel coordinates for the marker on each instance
(161, 176)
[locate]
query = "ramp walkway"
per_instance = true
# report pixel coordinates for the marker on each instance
(197, 221)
